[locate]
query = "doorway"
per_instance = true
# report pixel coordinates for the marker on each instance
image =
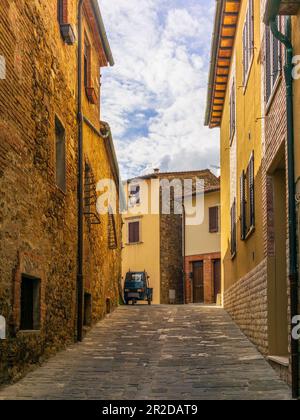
(217, 280)
(198, 283)
(277, 267)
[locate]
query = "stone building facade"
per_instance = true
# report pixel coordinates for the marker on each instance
(39, 181)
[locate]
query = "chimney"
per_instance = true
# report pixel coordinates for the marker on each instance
(156, 171)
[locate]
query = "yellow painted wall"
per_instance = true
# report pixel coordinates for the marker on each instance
(248, 138)
(145, 255)
(198, 238)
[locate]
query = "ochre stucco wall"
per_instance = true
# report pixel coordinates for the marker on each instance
(198, 238)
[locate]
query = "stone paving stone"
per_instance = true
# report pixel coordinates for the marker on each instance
(161, 352)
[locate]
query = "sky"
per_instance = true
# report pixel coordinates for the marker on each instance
(154, 98)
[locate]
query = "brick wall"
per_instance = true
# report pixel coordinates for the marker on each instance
(246, 302)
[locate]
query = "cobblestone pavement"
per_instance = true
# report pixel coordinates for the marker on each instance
(158, 352)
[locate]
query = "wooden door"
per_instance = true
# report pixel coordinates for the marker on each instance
(198, 283)
(217, 278)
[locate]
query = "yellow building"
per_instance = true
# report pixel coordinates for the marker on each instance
(234, 105)
(250, 100)
(153, 239)
(141, 233)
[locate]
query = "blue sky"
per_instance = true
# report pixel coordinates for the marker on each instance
(154, 97)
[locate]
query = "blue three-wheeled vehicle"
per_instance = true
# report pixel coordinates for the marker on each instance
(137, 288)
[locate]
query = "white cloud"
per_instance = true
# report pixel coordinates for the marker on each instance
(154, 98)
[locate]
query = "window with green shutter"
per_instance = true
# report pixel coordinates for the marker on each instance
(247, 199)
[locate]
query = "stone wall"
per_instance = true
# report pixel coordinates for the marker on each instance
(38, 221)
(171, 260)
(246, 302)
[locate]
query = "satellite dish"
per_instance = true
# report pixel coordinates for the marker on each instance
(2, 328)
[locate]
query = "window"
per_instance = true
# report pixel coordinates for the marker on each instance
(248, 42)
(273, 63)
(247, 193)
(134, 195)
(87, 63)
(30, 303)
(134, 232)
(233, 229)
(60, 155)
(214, 220)
(232, 110)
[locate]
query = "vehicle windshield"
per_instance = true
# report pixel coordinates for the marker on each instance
(135, 277)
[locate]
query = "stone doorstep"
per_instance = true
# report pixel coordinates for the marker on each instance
(279, 360)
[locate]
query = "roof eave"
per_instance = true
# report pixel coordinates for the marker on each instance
(214, 51)
(102, 33)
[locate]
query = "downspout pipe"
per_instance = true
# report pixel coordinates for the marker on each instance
(293, 267)
(80, 279)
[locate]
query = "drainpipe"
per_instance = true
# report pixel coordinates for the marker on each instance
(293, 269)
(80, 181)
(184, 252)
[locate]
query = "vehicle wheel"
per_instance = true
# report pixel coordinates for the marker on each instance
(126, 302)
(149, 302)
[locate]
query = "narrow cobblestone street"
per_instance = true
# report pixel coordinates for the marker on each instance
(158, 352)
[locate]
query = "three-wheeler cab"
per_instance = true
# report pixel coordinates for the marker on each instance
(137, 288)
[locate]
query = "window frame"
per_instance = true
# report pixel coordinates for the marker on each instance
(60, 133)
(138, 241)
(36, 323)
(214, 219)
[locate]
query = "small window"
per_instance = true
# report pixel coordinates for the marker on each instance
(30, 304)
(214, 220)
(134, 195)
(134, 232)
(60, 155)
(248, 42)
(87, 63)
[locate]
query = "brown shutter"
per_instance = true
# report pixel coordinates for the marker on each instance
(134, 232)
(214, 220)
(233, 229)
(252, 191)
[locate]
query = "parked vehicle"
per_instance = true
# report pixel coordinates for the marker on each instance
(137, 288)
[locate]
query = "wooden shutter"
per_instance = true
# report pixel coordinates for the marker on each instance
(251, 29)
(252, 192)
(134, 232)
(214, 219)
(268, 81)
(233, 229)
(232, 110)
(243, 206)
